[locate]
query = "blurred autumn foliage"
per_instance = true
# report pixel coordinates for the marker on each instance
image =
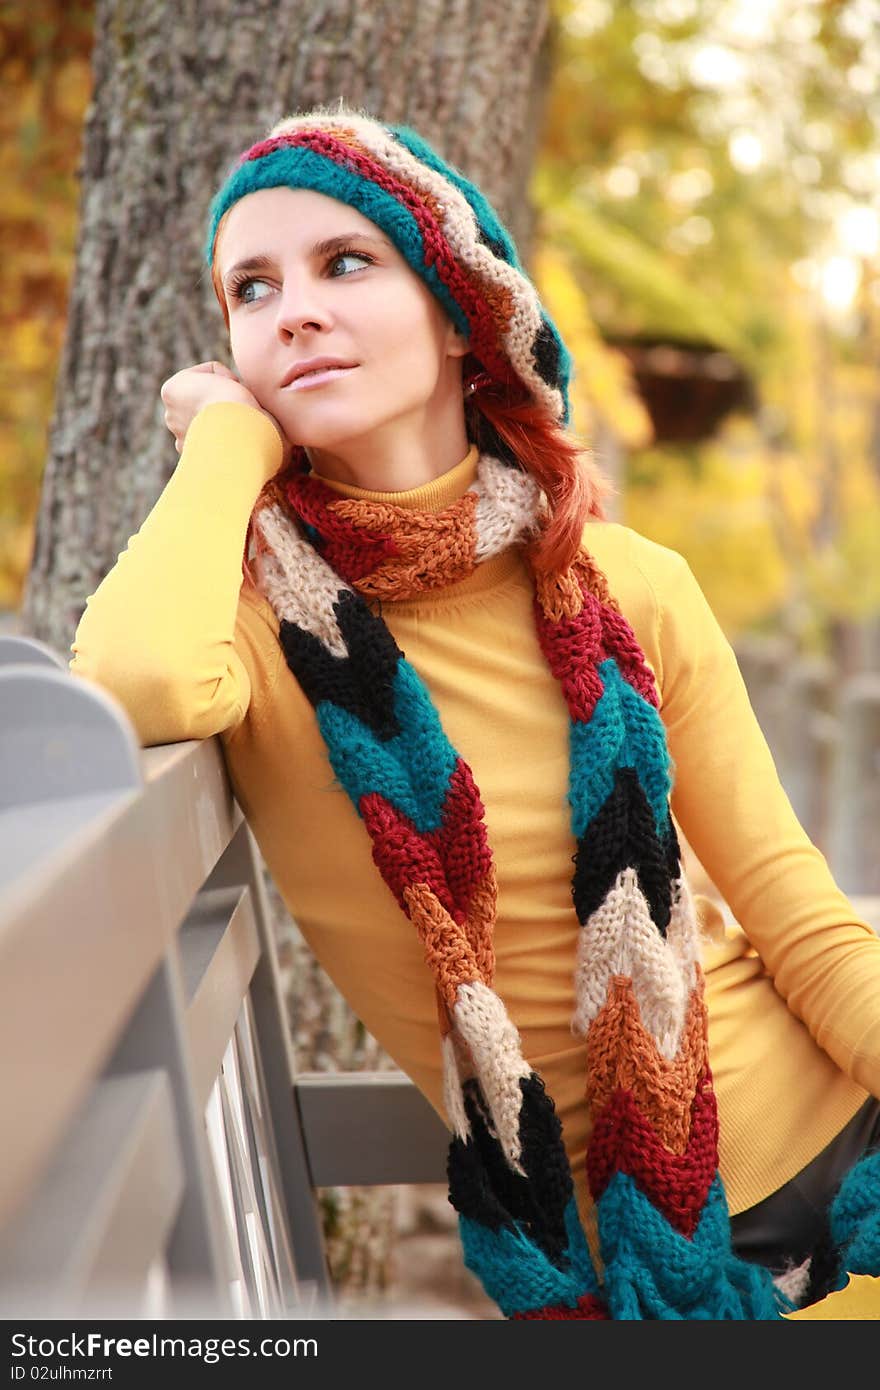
(45, 73)
(710, 173)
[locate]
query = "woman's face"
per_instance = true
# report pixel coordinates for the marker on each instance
(305, 276)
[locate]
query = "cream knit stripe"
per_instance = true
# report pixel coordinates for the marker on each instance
(620, 938)
(462, 231)
(299, 585)
(683, 933)
(795, 1281)
(507, 506)
(495, 1048)
(453, 1096)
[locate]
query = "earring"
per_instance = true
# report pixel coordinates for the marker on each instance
(476, 383)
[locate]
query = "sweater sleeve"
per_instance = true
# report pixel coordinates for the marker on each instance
(823, 958)
(159, 631)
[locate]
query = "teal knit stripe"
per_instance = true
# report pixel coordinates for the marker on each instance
(490, 224)
(652, 1271)
(516, 1272)
(412, 770)
(855, 1218)
(625, 731)
(295, 166)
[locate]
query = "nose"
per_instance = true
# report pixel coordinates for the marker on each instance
(301, 306)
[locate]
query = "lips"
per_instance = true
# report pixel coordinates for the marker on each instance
(314, 365)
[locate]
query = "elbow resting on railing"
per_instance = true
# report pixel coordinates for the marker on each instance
(166, 707)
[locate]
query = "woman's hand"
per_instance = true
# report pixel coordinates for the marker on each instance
(185, 394)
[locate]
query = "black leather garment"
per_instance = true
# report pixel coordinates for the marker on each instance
(792, 1223)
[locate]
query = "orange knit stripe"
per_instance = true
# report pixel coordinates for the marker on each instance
(622, 1053)
(431, 550)
(586, 568)
(481, 924)
(448, 953)
(499, 297)
(434, 204)
(560, 595)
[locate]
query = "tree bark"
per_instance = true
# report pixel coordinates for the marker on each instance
(179, 90)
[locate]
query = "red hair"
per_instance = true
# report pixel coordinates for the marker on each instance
(560, 464)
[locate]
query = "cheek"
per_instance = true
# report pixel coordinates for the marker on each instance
(407, 319)
(410, 344)
(246, 353)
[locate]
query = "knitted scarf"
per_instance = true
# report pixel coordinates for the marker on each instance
(325, 562)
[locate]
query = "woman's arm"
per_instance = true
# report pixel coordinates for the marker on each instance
(158, 631)
(823, 958)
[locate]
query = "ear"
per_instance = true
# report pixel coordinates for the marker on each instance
(457, 344)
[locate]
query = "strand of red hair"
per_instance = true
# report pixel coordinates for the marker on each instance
(562, 465)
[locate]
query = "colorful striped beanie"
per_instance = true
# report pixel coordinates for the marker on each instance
(326, 564)
(439, 222)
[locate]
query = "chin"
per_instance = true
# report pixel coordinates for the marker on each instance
(333, 434)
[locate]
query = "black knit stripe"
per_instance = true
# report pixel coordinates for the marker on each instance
(361, 682)
(545, 354)
(623, 835)
(483, 1187)
(495, 244)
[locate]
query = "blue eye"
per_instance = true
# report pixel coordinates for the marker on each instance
(348, 256)
(240, 290)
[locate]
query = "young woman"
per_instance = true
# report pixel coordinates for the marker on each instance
(448, 691)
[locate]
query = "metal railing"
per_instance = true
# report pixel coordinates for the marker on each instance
(824, 733)
(159, 1154)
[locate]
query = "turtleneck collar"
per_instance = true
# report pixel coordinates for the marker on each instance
(430, 497)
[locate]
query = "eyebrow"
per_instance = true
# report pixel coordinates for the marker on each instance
(321, 248)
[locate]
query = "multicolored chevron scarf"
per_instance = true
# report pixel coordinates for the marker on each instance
(322, 561)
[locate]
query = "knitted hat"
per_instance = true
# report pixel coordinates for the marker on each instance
(439, 221)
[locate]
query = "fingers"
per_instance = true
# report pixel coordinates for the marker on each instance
(171, 385)
(186, 392)
(218, 369)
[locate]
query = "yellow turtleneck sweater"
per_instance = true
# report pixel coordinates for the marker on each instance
(793, 996)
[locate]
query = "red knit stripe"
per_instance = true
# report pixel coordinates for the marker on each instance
(678, 1184)
(452, 860)
(573, 648)
(403, 856)
(588, 1307)
(349, 549)
(484, 330)
(620, 642)
(461, 839)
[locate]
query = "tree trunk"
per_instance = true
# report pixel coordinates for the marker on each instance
(179, 91)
